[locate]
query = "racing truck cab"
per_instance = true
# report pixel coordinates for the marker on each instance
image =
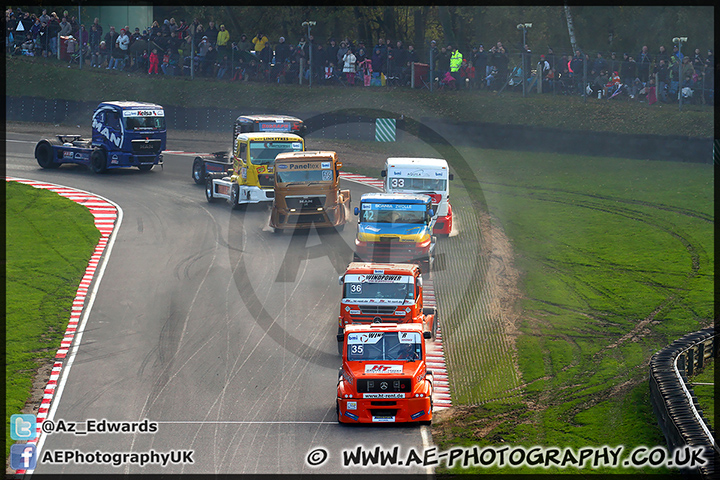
(384, 376)
(384, 293)
(221, 162)
(395, 228)
(307, 192)
(429, 176)
(252, 179)
(124, 134)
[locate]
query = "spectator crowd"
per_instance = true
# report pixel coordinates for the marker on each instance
(178, 48)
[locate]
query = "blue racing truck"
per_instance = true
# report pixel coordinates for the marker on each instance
(124, 134)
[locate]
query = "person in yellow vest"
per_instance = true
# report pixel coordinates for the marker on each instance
(456, 59)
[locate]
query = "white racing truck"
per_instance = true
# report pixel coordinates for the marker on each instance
(429, 176)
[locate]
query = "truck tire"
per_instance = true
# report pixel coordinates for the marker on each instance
(340, 344)
(425, 267)
(98, 160)
(198, 171)
(209, 190)
(44, 155)
(234, 196)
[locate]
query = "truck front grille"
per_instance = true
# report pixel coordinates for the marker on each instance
(383, 385)
(266, 180)
(305, 203)
(146, 147)
(377, 310)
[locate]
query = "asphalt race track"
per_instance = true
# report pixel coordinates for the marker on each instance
(212, 326)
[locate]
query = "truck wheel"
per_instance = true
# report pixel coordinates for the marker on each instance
(145, 168)
(44, 155)
(234, 196)
(340, 344)
(98, 160)
(337, 412)
(425, 267)
(209, 190)
(198, 170)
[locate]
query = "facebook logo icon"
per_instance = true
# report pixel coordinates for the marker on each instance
(22, 456)
(23, 427)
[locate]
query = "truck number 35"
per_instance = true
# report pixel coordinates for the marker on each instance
(397, 182)
(356, 349)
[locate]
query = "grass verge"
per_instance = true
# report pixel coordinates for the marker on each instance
(49, 241)
(706, 393)
(617, 261)
(48, 78)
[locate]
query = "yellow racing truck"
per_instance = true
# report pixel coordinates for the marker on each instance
(307, 192)
(251, 178)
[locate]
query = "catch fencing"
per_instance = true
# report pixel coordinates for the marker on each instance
(673, 400)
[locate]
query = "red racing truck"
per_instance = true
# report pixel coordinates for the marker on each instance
(384, 377)
(385, 293)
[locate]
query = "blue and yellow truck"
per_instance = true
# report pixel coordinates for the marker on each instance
(395, 228)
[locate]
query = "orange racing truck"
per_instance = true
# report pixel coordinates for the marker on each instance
(385, 293)
(307, 192)
(384, 377)
(252, 178)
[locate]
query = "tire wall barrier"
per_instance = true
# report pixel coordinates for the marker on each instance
(672, 397)
(344, 127)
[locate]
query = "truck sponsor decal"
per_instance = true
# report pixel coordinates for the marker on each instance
(362, 278)
(383, 418)
(261, 169)
(383, 395)
(409, 337)
(308, 166)
(377, 368)
(421, 207)
(144, 113)
(274, 127)
(365, 337)
(421, 173)
(282, 166)
(105, 130)
(67, 154)
(352, 405)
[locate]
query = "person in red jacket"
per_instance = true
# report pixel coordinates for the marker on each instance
(154, 62)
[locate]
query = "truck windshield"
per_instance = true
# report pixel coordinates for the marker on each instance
(375, 346)
(370, 215)
(414, 184)
(145, 123)
(264, 153)
(300, 176)
(368, 290)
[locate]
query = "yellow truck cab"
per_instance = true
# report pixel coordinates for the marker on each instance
(307, 192)
(252, 179)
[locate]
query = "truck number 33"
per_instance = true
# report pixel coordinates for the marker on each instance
(397, 182)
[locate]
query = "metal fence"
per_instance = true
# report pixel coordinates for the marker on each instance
(674, 403)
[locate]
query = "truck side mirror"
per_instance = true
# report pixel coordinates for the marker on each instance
(383, 173)
(432, 213)
(340, 337)
(357, 210)
(427, 335)
(340, 280)
(451, 176)
(429, 372)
